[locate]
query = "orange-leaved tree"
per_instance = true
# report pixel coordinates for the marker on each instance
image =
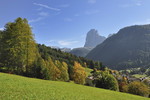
(79, 73)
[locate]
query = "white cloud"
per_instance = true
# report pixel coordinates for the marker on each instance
(135, 3)
(91, 12)
(68, 19)
(43, 14)
(35, 20)
(66, 43)
(138, 3)
(1, 28)
(46, 6)
(62, 42)
(50, 41)
(91, 1)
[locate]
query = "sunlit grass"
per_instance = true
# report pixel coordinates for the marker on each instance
(139, 76)
(13, 87)
(88, 71)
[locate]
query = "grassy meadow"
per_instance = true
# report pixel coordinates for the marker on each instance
(13, 87)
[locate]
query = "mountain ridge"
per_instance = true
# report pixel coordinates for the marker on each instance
(130, 47)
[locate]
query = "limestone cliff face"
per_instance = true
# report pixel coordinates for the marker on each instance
(93, 39)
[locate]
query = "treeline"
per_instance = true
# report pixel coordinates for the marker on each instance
(57, 54)
(20, 54)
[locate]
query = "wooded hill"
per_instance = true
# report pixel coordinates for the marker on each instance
(129, 48)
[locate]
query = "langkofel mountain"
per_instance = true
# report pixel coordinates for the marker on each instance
(93, 39)
(130, 47)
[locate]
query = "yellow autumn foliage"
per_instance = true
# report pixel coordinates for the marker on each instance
(79, 73)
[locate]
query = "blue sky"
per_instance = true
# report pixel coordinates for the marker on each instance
(64, 23)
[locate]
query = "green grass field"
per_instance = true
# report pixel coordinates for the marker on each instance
(141, 76)
(138, 75)
(13, 87)
(88, 71)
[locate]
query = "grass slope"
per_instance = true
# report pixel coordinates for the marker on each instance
(13, 87)
(88, 71)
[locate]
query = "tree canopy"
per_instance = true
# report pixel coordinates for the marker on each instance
(19, 49)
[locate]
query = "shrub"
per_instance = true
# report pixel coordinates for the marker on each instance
(138, 88)
(123, 87)
(106, 81)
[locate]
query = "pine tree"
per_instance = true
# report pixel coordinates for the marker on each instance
(19, 47)
(0, 47)
(39, 69)
(53, 73)
(64, 72)
(63, 67)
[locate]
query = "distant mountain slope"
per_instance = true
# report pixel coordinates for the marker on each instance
(13, 87)
(82, 52)
(62, 49)
(130, 47)
(93, 39)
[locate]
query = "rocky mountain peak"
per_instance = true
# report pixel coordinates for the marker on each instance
(93, 38)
